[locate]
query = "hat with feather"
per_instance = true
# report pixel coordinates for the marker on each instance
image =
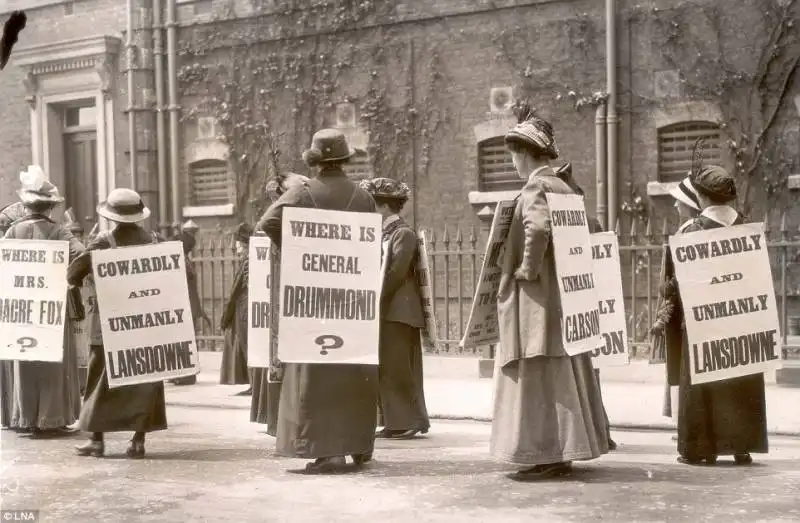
(36, 188)
(386, 188)
(533, 132)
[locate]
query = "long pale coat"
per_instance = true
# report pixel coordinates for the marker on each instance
(46, 394)
(548, 408)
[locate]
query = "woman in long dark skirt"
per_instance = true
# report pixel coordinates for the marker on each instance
(233, 370)
(267, 393)
(136, 408)
(400, 377)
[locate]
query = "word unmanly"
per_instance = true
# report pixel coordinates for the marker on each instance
(578, 282)
(729, 353)
(161, 263)
(330, 263)
(568, 218)
(717, 248)
(25, 312)
(146, 320)
(329, 303)
(582, 326)
(142, 361)
(726, 308)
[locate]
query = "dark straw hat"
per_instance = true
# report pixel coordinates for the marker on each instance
(715, 183)
(386, 188)
(328, 145)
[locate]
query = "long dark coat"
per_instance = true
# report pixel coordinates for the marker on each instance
(47, 394)
(402, 397)
(233, 370)
(138, 408)
(325, 410)
(718, 418)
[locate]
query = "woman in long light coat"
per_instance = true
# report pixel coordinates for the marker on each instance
(548, 409)
(46, 394)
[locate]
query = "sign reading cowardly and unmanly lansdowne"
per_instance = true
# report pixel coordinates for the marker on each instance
(572, 249)
(260, 303)
(728, 298)
(145, 315)
(428, 334)
(33, 291)
(482, 326)
(614, 348)
(330, 284)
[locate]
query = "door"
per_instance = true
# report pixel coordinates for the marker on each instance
(80, 177)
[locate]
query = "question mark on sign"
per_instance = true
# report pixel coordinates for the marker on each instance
(26, 342)
(328, 341)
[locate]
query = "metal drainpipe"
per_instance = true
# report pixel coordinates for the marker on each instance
(129, 71)
(612, 120)
(172, 79)
(601, 206)
(158, 65)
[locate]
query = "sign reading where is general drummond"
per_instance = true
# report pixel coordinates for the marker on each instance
(728, 298)
(146, 318)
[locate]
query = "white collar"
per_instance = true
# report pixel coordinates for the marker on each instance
(722, 214)
(390, 219)
(685, 224)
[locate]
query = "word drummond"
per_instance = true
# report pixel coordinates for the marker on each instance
(329, 303)
(142, 361)
(717, 248)
(736, 351)
(145, 265)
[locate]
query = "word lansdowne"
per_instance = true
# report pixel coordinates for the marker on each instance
(572, 249)
(736, 333)
(614, 347)
(145, 341)
(482, 326)
(33, 289)
(330, 281)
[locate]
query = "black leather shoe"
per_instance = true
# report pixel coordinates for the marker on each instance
(360, 459)
(135, 450)
(326, 465)
(743, 459)
(95, 449)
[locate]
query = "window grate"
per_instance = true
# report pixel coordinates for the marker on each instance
(675, 143)
(211, 183)
(359, 167)
(496, 171)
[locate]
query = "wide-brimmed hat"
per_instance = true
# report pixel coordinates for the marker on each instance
(36, 188)
(328, 145)
(715, 183)
(386, 188)
(123, 206)
(685, 193)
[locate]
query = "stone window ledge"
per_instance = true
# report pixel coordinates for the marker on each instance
(793, 182)
(660, 188)
(208, 210)
(485, 203)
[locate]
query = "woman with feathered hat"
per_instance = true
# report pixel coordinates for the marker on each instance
(548, 410)
(265, 400)
(234, 318)
(721, 418)
(46, 394)
(402, 396)
(137, 408)
(326, 411)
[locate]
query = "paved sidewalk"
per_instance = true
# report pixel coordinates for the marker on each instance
(633, 395)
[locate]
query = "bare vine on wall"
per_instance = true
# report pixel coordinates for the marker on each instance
(271, 80)
(752, 96)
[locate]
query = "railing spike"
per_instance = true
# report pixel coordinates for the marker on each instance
(664, 229)
(472, 237)
(617, 228)
(459, 236)
(649, 228)
(634, 231)
(784, 223)
(446, 235)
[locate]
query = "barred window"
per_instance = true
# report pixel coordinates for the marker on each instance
(496, 170)
(359, 166)
(211, 183)
(675, 143)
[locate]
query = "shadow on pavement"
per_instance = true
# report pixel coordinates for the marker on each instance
(207, 454)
